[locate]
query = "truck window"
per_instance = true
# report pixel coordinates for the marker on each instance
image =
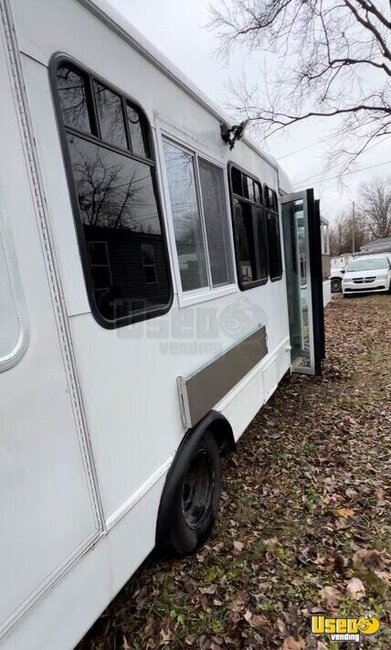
(273, 234)
(106, 141)
(200, 219)
(249, 228)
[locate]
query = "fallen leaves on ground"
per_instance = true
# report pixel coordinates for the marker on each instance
(355, 589)
(331, 597)
(291, 644)
(305, 515)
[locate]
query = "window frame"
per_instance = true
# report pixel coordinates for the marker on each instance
(277, 213)
(202, 294)
(256, 283)
(56, 61)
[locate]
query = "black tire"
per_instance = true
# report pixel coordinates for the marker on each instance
(196, 501)
(335, 285)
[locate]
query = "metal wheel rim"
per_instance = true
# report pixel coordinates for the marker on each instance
(335, 285)
(197, 491)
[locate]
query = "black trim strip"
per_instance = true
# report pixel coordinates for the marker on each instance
(314, 236)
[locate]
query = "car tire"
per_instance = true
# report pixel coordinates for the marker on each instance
(335, 285)
(196, 502)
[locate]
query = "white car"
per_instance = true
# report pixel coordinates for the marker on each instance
(367, 273)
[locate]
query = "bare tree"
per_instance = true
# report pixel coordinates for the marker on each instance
(331, 58)
(345, 231)
(375, 207)
(108, 191)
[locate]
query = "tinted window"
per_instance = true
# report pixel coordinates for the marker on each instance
(100, 265)
(257, 192)
(149, 262)
(245, 186)
(236, 179)
(110, 114)
(137, 143)
(259, 217)
(274, 245)
(118, 207)
(250, 230)
(271, 199)
(117, 214)
(216, 222)
(273, 234)
(245, 242)
(72, 92)
(114, 191)
(250, 188)
(186, 217)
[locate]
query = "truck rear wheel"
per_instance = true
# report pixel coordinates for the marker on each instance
(196, 500)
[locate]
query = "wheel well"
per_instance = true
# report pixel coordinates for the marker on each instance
(222, 432)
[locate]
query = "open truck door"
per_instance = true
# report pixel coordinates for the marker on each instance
(303, 263)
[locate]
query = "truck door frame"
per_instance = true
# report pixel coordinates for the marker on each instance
(305, 292)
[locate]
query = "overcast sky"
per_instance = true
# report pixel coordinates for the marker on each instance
(178, 29)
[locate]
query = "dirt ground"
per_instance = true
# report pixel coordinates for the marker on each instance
(305, 516)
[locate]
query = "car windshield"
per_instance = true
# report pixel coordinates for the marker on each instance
(371, 264)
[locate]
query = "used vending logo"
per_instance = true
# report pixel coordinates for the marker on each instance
(345, 629)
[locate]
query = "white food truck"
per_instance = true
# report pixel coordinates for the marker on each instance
(157, 280)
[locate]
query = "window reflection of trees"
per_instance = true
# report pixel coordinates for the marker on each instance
(114, 191)
(72, 94)
(116, 197)
(118, 206)
(111, 118)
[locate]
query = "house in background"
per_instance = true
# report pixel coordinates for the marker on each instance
(382, 245)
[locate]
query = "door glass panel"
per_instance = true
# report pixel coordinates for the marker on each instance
(298, 283)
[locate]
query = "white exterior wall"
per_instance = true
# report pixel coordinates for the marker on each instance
(126, 377)
(47, 510)
(103, 354)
